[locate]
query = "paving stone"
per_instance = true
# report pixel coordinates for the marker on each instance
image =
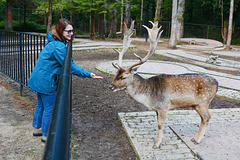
(172, 147)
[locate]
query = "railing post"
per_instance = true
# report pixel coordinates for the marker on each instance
(21, 65)
(70, 109)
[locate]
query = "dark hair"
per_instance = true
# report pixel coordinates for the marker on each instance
(59, 27)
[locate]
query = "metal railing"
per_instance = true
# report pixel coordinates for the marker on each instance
(18, 54)
(58, 145)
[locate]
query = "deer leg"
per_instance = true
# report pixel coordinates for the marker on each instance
(161, 118)
(202, 110)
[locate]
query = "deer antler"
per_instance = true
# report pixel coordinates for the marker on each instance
(126, 42)
(154, 36)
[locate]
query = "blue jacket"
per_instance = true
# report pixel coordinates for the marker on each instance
(44, 77)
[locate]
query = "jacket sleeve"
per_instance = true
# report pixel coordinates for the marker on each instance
(76, 70)
(59, 54)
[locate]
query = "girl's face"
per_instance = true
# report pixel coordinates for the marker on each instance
(68, 32)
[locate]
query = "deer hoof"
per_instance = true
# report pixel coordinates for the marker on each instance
(194, 141)
(156, 147)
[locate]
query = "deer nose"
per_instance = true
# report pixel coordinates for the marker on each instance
(112, 87)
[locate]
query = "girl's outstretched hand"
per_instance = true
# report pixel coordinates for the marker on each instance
(96, 77)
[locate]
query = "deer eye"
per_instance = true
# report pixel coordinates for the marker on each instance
(124, 78)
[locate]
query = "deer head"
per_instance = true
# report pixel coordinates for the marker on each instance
(124, 75)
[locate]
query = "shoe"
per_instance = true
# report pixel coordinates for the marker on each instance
(44, 139)
(37, 132)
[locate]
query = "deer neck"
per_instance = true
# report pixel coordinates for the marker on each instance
(137, 88)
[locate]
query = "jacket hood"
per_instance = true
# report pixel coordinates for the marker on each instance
(53, 36)
(50, 37)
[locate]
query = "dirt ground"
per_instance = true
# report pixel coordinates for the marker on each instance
(97, 133)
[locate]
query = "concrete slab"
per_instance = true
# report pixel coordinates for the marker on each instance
(202, 58)
(141, 128)
(226, 53)
(221, 140)
(82, 44)
(201, 43)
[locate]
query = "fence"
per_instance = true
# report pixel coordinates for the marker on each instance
(18, 54)
(193, 31)
(82, 24)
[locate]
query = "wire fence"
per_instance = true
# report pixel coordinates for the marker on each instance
(193, 31)
(36, 20)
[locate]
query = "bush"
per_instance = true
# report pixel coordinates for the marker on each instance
(30, 26)
(236, 41)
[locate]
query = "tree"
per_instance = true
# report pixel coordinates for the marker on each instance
(121, 24)
(72, 15)
(224, 24)
(111, 16)
(229, 37)
(8, 15)
(173, 38)
(49, 17)
(93, 7)
(224, 31)
(114, 23)
(127, 12)
(127, 15)
(158, 10)
(180, 19)
(101, 25)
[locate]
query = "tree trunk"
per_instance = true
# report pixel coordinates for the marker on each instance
(229, 37)
(93, 17)
(158, 10)
(72, 16)
(180, 19)
(114, 23)
(225, 32)
(121, 24)
(101, 26)
(8, 16)
(127, 13)
(141, 18)
(49, 17)
(107, 20)
(173, 38)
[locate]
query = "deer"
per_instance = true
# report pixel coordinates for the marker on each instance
(164, 92)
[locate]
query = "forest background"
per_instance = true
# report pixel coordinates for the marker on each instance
(103, 18)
